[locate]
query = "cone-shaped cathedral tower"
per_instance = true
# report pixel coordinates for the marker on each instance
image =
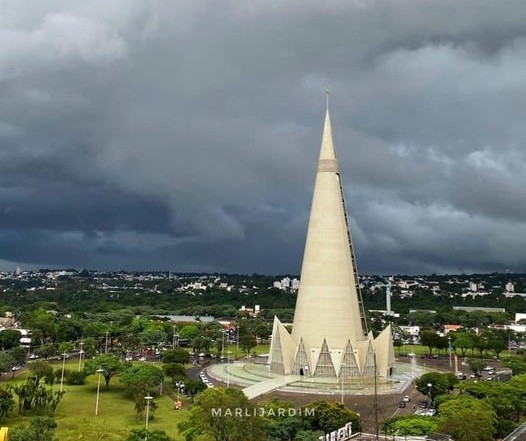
(329, 335)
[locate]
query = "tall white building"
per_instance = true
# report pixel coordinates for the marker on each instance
(329, 334)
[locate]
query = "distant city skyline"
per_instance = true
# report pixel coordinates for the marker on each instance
(184, 136)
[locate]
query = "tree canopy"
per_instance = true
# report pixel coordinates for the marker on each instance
(467, 419)
(109, 363)
(214, 414)
(435, 383)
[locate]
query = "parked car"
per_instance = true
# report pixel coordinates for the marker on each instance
(407, 398)
(401, 404)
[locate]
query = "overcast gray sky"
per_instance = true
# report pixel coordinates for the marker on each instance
(184, 135)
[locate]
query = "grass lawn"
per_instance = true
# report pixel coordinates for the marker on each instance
(237, 354)
(76, 418)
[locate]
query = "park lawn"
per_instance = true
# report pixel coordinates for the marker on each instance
(236, 353)
(76, 414)
(76, 420)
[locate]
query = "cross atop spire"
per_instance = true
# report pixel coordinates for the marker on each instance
(327, 147)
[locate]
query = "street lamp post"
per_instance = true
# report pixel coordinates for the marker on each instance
(62, 376)
(429, 385)
(228, 370)
(173, 336)
(99, 371)
(80, 354)
(449, 342)
(148, 398)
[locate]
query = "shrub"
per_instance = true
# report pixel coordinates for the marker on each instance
(76, 378)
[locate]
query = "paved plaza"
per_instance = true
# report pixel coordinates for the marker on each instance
(257, 380)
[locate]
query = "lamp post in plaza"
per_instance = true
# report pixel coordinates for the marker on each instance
(99, 371)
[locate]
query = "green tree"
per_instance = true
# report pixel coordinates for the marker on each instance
(89, 348)
(331, 416)
(151, 435)
(463, 340)
(517, 365)
(189, 332)
(65, 347)
(95, 329)
(214, 415)
(153, 335)
(141, 379)
(193, 387)
(6, 361)
(308, 435)
(476, 365)
(432, 340)
(201, 343)
(467, 419)
(435, 383)
(480, 343)
(10, 338)
(7, 402)
(41, 370)
(178, 355)
(109, 363)
(76, 378)
(247, 342)
(39, 429)
(506, 398)
(496, 341)
(43, 323)
(286, 428)
(410, 425)
(19, 354)
(175, 371)
(46, 350)
(282, 426)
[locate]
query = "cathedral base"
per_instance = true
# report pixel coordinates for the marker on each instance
(246, 374)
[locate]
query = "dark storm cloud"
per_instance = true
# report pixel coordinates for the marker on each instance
(185, 135)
